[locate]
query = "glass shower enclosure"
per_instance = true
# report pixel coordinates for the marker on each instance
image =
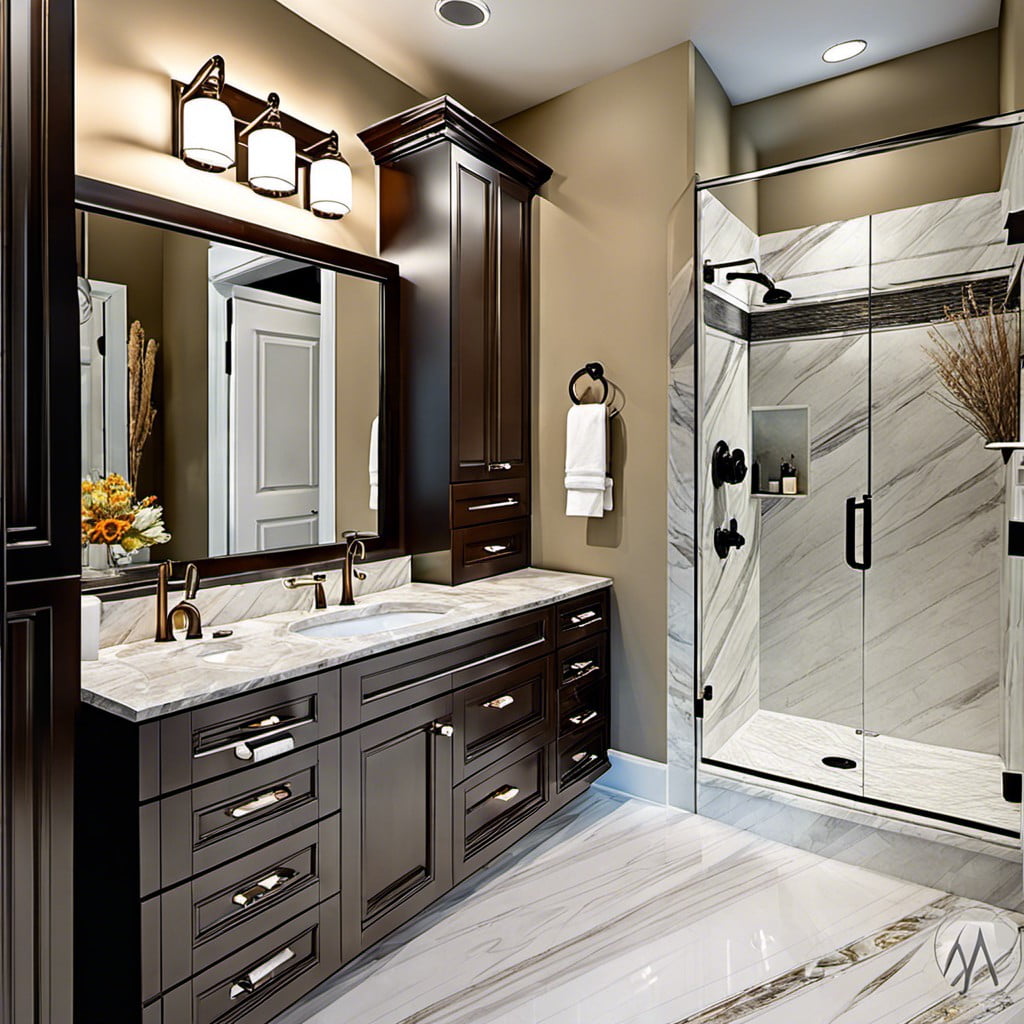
(853, 580)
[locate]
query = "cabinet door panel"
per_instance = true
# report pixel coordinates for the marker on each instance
(511, 375)
(473, 296)
(397, 826)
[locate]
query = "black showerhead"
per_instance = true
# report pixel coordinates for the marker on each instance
(776, 297)
(773, 296)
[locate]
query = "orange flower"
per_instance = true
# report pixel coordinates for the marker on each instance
(108, 531)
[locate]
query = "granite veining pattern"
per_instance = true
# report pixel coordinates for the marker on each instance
(144, 680)
(625, 913)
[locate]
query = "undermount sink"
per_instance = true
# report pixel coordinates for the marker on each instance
(365, 621)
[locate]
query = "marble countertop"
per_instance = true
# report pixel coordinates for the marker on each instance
(144, 680)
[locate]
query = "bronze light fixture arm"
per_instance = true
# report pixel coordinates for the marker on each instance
(209, 80)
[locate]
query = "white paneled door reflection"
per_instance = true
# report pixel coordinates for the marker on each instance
(275, 413)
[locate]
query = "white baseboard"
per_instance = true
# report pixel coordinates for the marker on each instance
(638, 777)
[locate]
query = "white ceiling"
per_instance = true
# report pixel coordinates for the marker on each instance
(532, 50)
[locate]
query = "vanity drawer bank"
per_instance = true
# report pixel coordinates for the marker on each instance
(240, 838)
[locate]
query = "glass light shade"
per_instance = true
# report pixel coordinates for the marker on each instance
(272, 167)
(207, 134)
(330, 188)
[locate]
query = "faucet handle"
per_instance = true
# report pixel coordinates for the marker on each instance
(192, 581)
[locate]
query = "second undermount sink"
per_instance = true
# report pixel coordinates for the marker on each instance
(364, 621)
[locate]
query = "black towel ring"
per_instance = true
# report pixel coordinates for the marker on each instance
(596, 372)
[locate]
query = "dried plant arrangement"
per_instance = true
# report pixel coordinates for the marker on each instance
(141, 414)
(979, 366)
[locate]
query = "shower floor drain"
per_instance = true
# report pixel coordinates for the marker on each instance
(845, 763)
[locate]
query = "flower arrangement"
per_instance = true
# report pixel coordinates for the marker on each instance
(978, 366)
(111, 515)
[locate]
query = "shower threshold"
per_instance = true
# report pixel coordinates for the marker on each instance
(964, 785)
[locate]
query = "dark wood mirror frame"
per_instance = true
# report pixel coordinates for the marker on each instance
(93, 196)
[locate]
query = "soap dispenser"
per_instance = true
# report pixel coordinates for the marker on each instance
(788, 476)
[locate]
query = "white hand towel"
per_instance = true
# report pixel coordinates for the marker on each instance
(374, 463)
(586, 459)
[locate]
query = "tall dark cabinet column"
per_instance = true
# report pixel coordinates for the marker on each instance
(455, 198)
(40, 423)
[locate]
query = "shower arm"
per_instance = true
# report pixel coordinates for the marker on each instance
(710, 268)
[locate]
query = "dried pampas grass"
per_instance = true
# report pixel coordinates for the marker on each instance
(979, 366)
(141, 414)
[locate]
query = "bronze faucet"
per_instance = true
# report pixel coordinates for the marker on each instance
(184, 612)
(316, 581)
(354, 548)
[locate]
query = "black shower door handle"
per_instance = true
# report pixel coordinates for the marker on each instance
(853, 506)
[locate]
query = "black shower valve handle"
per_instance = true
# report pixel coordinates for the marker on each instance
(725, 540)
(728, 465)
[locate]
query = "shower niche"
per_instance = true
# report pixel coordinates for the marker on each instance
(780, 445)
(861, 656)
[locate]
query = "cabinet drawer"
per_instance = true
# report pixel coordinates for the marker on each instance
(204, 827)
(481, 551)
(501, 713)
(582, 757)
(583, 662)
(210, 741)
(582, 704)
(582, 616)
(394, 681)
(204, 920)
(497, 807)
(264, 978)
(492, 501)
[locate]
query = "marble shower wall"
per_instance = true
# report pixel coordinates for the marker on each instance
(730, 600)
(682, 547)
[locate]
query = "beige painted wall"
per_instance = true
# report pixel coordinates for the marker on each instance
(1011, 56)
(622, 158)
(942, 85)
(129, 50)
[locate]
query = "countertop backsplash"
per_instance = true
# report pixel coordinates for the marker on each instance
(132, 619)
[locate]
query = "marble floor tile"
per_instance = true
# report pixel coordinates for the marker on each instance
(620, 912)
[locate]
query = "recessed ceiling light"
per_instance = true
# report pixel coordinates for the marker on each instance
(844, 51)
(462, 13)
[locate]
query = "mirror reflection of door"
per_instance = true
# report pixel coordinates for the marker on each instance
(274, 487)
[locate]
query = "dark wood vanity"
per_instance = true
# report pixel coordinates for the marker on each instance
(234, 855)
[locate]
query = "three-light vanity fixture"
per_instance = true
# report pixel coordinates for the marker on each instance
(217, 127)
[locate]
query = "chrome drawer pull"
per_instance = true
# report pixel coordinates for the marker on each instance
(492, 466)
(276, 727)
(264, 887)
(507, 503)
(265, 751)
(505, 794)
(261, 802)
(582, 670)
(260, 975)
(583, 756)
(495, 549)
(500, 702)
(583, 717)
(443, 729)
(582, 617)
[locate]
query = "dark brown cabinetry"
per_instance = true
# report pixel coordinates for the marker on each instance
(233, 856)
(455, 213)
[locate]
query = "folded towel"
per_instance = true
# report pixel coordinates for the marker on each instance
(586, 460)
(374, 463)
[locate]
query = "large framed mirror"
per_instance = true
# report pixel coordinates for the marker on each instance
(240, 393)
